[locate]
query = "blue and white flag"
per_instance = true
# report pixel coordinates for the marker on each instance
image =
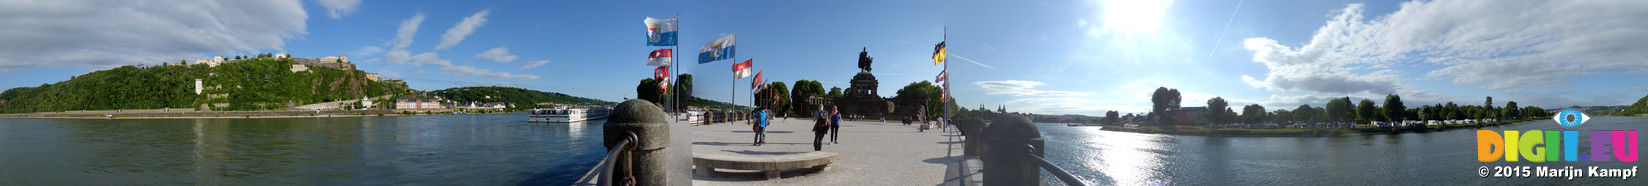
(717, 50)
(661, 31)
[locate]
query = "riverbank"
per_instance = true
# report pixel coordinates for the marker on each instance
(1295, 132)
(163, 114)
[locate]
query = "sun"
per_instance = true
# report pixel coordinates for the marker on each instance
(1134, 16)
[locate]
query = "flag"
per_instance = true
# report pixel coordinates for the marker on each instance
(938, 53)
(661, 31)
(660, 57)
(664, 84)
(741, 70)
(942, 75)
(661, 72)
(756, 81)
(718, 50)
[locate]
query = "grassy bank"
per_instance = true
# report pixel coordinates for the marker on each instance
(1292, 132)
(1200, 131)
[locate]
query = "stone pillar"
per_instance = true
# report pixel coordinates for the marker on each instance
(651, 129)
(1007, 161)
(970, 129)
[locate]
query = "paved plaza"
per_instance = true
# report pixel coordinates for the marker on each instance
(871, 153)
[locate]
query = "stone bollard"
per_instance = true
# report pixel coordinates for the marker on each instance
(1007, 161)
(970, 128)
(651, 130)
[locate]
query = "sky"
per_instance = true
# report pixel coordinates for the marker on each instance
(1037, 56)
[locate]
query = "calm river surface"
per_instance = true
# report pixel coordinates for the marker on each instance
(1435, 158)
(476, 149)
(503, 149)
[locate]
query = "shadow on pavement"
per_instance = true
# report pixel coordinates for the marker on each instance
(761, 152)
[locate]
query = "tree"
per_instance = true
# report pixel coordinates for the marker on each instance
(1510, 110)
(1304, 113)
(776, 97)
(1451, 111)
(1165, 104)
(1486, 105)
(1110, 117)
(648, 90)
(834, 92)
(1338, 109)
(924, 90)
(1216, 110)
(804, 89)
(1365, 110)
(1281, 116)
(1253, 113)
(683, 90)
(1394, 110)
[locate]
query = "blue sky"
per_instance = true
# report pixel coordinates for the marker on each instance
(1051, 57)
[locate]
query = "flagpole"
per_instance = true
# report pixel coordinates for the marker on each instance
(676, 72)
(946, 72)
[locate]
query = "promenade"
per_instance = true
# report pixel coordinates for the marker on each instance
(871, 153)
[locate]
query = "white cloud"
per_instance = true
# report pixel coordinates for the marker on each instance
(449, 69)
(499, 54)
(403, 36)
(1503, 45)
(337, 8)
(535, 64)
(462, 30)
(101, 34)
(1021, 88)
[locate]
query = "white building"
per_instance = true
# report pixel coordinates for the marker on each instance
(199, 86)
(366, 102)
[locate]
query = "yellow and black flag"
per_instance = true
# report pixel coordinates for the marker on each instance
(938, 53)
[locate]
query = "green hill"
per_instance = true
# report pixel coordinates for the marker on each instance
(251, 84)
(522, 98)
(1639, 107)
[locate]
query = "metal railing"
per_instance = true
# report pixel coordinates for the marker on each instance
(615, 157)
(1055, 169)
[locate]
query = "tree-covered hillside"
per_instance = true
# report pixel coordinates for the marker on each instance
(522, 98)
(250, 84)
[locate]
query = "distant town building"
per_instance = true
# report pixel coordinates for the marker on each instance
(373, 76)
(1191, 115)
(299, 68)
(199, 86)
(333, 62)
(418, 103)
(366, 102)
(213, 62)
(280, 55)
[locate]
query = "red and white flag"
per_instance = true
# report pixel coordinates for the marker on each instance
(756, 81)
(661, 72)
(660, 57)
(942, 76)
(663, 84)
(741, 70)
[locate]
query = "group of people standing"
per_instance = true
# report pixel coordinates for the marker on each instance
(824, 122)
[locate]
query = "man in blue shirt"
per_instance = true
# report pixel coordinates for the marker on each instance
(760, 125)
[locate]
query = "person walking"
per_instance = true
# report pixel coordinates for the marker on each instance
(760, 126)
(835, 124)
(821, 126)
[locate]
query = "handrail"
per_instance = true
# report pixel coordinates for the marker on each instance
(1055, 169)
(612, 158)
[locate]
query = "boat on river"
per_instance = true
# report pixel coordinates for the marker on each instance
(565, 114)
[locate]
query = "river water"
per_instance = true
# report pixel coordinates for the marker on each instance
(476, 149)
(503, 149)
(1434, 158)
